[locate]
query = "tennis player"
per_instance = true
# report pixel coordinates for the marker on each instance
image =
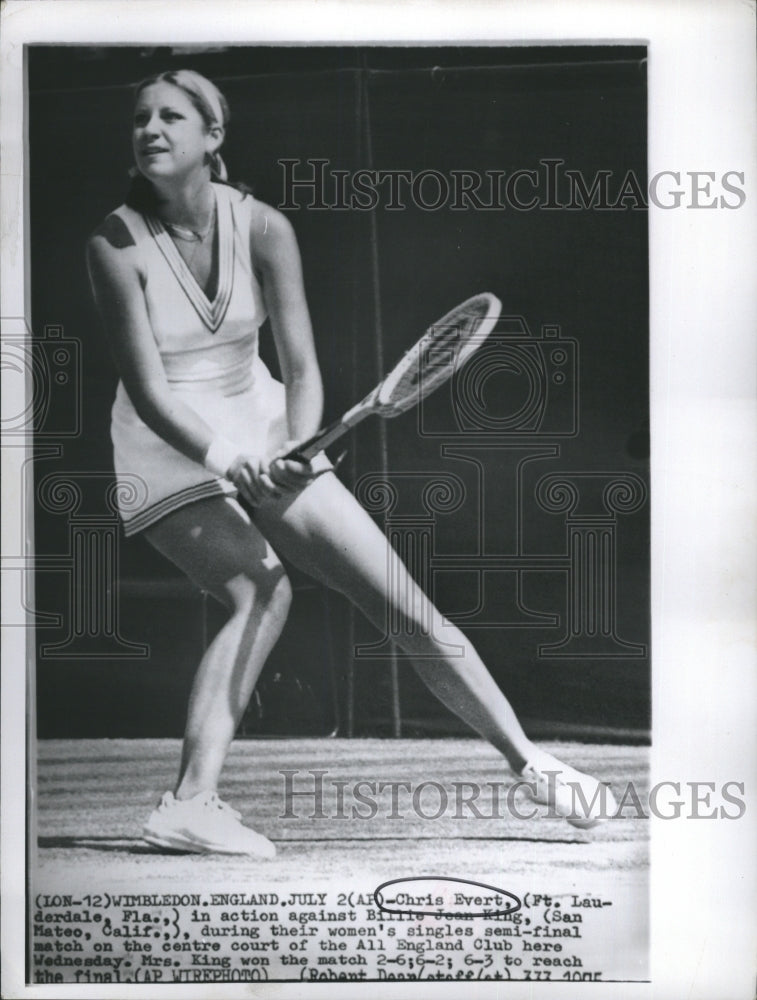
(183, 274)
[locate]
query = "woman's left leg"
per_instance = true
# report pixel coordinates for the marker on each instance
(326, 532)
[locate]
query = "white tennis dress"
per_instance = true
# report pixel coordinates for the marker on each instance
(210, 355)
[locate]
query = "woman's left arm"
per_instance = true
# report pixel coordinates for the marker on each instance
(276, 258)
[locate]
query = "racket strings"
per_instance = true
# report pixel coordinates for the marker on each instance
(443, 349)
(438, 354)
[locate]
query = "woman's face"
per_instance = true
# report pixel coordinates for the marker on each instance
(170, 137)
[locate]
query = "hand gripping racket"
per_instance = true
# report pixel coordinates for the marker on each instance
(441, 351)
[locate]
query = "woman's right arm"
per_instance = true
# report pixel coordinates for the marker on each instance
(118, 292)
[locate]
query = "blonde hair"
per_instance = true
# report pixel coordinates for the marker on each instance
(206, 98)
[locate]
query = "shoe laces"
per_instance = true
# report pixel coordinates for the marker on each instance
(555, 782)
(208, 800)
(211, 801)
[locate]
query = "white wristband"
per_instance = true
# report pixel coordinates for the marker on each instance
(220, 455)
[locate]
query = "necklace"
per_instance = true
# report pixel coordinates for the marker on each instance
(189, 235)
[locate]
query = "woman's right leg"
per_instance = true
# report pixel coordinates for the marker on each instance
(216, 545)
(326, 532)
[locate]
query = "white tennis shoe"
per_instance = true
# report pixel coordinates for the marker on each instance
(582, 800)
(203, 825)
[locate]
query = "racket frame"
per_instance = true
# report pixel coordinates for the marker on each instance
(376, 401)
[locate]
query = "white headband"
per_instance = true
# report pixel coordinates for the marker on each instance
(211, 98)
(206, 88)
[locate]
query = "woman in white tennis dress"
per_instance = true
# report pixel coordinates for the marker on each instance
(183, 276)
(209, 353)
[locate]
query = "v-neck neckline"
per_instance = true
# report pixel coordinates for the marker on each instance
(211, 312)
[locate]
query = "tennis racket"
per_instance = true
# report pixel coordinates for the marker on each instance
(440, 352)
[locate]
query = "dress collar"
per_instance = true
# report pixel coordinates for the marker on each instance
(212, 313)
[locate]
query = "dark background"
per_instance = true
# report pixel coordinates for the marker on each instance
(374, 281)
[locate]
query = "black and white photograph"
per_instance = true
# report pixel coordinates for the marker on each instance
(353, 551)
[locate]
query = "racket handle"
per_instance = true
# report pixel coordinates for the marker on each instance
(320, 440)
(323, 438)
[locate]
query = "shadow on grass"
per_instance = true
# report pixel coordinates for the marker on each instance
(123, 845)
